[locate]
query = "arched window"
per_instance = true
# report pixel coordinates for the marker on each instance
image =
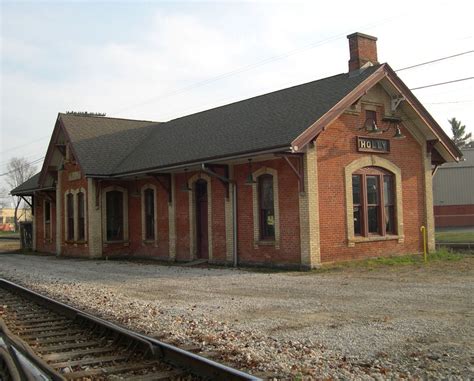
(149, 206)
(81, 226)
(373, 199)
(114, 215)
(266, 207)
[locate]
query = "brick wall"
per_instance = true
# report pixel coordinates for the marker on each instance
(289, 248)
(454, 215)
(336, 149)
(136, 245)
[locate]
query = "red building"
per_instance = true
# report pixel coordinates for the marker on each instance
(331, 170)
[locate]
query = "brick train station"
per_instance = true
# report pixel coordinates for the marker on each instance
(331, 170)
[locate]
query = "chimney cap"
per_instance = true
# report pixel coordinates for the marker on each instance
(358, 34)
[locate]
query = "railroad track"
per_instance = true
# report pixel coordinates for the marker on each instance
(43, 339)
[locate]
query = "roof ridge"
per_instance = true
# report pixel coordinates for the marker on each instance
(257, 96)
(109, 117)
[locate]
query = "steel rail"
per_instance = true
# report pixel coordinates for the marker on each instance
(191, 362)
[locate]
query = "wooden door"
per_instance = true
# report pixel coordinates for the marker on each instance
(201, 219)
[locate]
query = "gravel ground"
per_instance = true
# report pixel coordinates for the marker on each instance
(412, 322)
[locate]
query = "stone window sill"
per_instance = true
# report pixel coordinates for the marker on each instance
(150, 242)
(75, 242)
(266, 242)
(375, 238)
(120, 242)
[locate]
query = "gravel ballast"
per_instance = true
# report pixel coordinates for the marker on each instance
(413, 322)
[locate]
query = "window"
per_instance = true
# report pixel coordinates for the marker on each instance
(373, 202)
(47, 220)
(149, 214)
(266, 207)
(371, 115)
(81, 233)
(70, 216)
(114, 216)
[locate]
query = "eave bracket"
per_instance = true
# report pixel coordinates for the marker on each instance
(164, 179)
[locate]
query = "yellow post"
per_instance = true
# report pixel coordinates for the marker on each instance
(423, 232)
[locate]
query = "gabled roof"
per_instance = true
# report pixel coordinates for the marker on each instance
(264, 122)
(284, 119)
(100, 143)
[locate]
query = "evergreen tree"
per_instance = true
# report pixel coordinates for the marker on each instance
(460, 138)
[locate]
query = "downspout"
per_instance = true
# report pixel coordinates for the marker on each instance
(234, 223)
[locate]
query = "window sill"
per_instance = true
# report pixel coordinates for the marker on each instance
(375, 238)
(118, 242)
(149, 242)
(75, 242)
(266, 242)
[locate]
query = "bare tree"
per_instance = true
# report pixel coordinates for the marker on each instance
(18, 171)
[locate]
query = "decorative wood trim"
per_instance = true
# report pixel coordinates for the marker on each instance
(312, 131)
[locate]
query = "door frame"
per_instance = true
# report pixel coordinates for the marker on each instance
(193, 249)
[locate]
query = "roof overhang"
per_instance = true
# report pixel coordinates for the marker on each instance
(444, 145)
(53, 152)
(31, 192)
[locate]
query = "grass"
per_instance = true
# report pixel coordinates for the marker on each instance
(9, 234)
(442, 254)
(455, 236)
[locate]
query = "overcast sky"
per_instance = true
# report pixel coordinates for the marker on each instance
(160, 60)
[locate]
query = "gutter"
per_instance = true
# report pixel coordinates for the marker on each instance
(191, 163)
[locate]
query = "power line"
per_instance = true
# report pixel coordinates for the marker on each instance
(442, 83)
(450, 102)
(253, 65)
(266, 61)
(29, 156)
(30, 163)
(25, 144)
(436, 60)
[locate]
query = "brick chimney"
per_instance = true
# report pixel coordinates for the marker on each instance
(363, 49)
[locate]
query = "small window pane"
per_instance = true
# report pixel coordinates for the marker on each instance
(81, 213)
(149, 214)
(373, 219)
(47, 220)
(372, 190)
(267, 215)
(356, 189)
(70, 217)
(114, 210)
(388, 189)
(266, 192)
(357, 221)
(47, 211)
(389, 219)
